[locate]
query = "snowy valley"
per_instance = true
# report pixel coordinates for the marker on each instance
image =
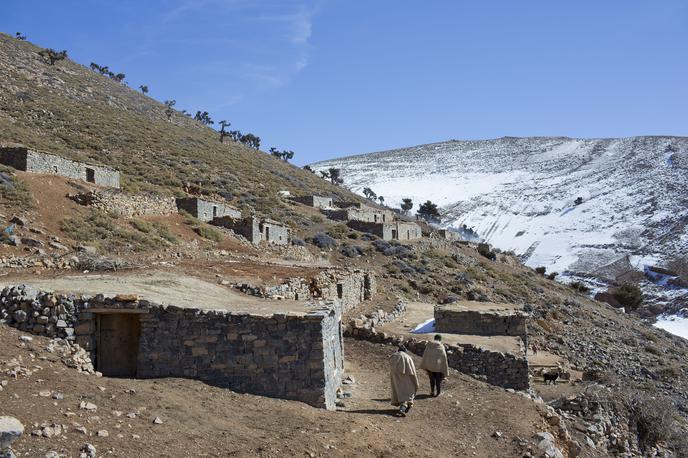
(585, 208)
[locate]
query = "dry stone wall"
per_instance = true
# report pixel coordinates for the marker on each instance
(129, 205)
(496, 368)
(287, 356)
(480, 323)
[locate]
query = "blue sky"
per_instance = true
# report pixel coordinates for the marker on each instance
(327, 78)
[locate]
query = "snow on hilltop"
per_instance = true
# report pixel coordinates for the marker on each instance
(519, 194)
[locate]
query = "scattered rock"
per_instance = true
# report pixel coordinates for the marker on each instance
(52, 454)
(19, 221)
(58, 396)
(45, 393)
(26, 338)
(87, 451)
(87, 405)
(157, 421)
(102, 433)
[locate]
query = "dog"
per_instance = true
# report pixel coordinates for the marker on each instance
(551, 378)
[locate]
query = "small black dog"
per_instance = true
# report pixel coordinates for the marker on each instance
(551, 378)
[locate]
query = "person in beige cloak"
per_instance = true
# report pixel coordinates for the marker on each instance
(402, 375)
(435, 364)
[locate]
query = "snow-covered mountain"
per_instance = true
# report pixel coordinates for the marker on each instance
(521, 194)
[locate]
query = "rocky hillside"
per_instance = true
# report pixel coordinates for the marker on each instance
(75, 112)
(567, 204)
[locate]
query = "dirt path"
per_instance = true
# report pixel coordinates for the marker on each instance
(201, 420)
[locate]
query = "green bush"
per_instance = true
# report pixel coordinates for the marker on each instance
(209, 233)
(629, 296)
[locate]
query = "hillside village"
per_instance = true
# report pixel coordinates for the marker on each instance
(165, 293)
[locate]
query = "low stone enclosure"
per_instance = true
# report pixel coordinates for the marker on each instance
(397, 230)
(497, 368)
(28, 160)
(292, 355)
(256, 230)
(206, 210)
(481, 319)
(128, 205)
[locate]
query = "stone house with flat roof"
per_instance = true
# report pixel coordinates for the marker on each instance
(28, 160)
(206, 210)
(256, 230)
(397, 230)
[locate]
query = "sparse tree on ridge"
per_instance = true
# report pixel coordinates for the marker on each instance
(308, 167)
(235, 135)
(275, 152)
(251, 141)
(203, 118)
(19, 36)
(406, 205)
(144, 89)
(369, 193)
(118, 77)
(333, 174)
(223, 132)
(429, 212)
(169, 108)
(381, 200)
(52, 56)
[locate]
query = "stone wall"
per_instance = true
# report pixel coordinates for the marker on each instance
(348, 288)
(206, 210)
(287, 356)
(496, 368)
(364, 213)
(32, 161)
(129, 205)
(482, 323)
(315, 201)
(255, 230)
(398, 230)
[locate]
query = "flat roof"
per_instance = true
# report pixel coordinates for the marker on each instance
(483, 307)
(165, 288)
(418, 313)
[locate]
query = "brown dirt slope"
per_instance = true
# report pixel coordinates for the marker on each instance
(200, 420)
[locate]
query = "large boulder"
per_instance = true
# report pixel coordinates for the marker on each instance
(11, 429)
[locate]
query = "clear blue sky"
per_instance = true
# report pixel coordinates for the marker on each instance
(337, 77)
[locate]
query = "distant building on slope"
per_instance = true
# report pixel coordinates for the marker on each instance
(315, 201)
(28, 160)
(206, 210)
(397, 230)
(256, 230)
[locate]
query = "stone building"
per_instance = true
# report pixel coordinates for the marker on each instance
(206, 210)
(315, 201)
(360, 212)
(256, 230)
(397, 230)
(447, 234)
(28, 160)
(296, 353)
(481, 319)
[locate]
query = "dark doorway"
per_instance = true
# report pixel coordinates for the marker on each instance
(340, 290)
(394, 234)
(90, 175)
(117, 349)
(267, 233)
(214, 211)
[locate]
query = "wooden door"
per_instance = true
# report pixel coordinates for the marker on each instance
(118, 344)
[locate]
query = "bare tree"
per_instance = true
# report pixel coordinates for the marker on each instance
(51, 56)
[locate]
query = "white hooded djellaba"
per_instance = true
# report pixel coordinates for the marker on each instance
(435, 358)
(403, 378)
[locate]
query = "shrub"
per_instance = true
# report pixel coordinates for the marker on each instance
(351, 251)
(579, 286)
(629, 296)
(338, 231)
(298, 242)
(541, 270)
(323, 241)
(552, 275)
(485, 251)
(209, 233)
(13, 191)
